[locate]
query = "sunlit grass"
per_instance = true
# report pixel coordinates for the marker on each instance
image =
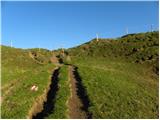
(119, 89)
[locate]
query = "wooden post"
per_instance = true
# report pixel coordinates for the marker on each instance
(127, 30)
(11, 43)
(62, 52)
(97, 37)
(151, 27)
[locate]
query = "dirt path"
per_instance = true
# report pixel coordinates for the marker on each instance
(76, 105)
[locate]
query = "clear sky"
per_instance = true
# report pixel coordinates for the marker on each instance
(53, 25)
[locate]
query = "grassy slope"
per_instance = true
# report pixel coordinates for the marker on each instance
(137, 48)
(19, 73)
(120, 75)
(118, 89)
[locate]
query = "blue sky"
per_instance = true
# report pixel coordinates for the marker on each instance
(53, 25)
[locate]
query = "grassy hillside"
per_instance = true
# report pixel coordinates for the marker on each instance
(120, 75)
(19, 72)
(136, 48)
(119, 89)
(116, 78)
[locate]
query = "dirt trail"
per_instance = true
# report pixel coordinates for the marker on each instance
(48, 105)
(78, 102)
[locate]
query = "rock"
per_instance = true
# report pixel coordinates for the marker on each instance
(34, 88)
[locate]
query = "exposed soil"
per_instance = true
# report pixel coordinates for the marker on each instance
(78, 102)
(48, 105)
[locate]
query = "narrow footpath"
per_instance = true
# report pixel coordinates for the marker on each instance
(75, 104)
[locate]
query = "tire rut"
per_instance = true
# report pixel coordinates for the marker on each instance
(78, 103)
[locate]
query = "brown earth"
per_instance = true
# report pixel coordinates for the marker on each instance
(74, 103)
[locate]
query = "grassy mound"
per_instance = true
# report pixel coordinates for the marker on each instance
(136, 48)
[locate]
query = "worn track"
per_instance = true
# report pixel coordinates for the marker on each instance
(78, 102)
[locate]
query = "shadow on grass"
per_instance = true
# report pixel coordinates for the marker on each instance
(48, 106)
(82, 93)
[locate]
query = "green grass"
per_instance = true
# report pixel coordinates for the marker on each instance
(118, 89)
(120, 76)
(60, 109)
(19, 73)
(19, 101)
(136, 48)
(15, 62)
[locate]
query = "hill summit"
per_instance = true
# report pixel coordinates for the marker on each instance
(136, 48)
